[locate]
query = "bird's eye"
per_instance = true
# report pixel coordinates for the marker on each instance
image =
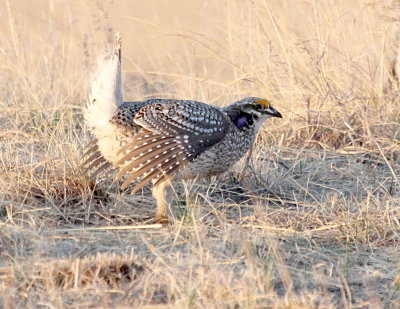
(259, 107)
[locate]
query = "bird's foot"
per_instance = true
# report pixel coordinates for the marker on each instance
(161, 218)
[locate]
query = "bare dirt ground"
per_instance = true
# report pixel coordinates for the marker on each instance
(311, 220)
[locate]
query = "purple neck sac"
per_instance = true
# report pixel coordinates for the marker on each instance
(241, 121)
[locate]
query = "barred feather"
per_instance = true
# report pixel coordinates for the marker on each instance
(90, 147)
(95, 163)
(103, 167)
(139, 145)
(151, 155)
(94, 160)
(93, 156)
(167, 170)
(141, 156)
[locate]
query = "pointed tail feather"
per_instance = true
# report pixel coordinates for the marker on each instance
(106, 93)
(105, 99)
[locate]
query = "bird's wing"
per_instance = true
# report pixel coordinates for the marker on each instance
(173, 134)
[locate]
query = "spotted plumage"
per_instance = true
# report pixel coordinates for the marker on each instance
(159, 139)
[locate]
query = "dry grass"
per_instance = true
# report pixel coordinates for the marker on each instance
(312, 222)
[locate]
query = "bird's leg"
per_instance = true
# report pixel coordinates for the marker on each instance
(248, 163)
(163, 197)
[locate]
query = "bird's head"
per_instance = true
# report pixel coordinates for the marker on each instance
(250, 112)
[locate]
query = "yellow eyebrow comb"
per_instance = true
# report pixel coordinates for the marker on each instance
(263, 102)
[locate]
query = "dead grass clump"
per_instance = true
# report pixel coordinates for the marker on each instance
(26, 281)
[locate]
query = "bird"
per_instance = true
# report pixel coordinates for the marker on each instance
(160, 140)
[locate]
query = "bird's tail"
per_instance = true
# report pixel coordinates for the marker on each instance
(106, 94)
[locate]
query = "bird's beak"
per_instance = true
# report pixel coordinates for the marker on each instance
(273, 112)
(277, 114)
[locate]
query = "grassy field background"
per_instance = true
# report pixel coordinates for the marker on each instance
(311, 221)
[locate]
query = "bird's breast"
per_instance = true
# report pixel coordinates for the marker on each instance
(218, 158)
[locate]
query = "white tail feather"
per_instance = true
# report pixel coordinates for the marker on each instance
(105, 97)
